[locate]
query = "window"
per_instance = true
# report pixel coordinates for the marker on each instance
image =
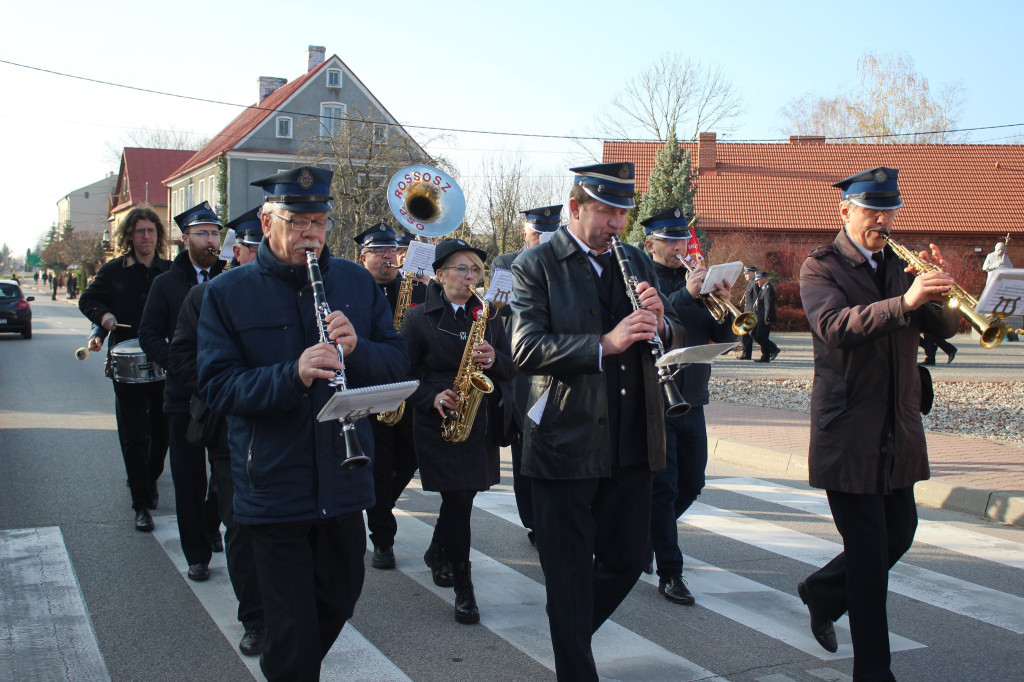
(331, 118)
(213, 189)
(284, 126)
(380, 133)
(360, 179)
(86, 196)
(334, 78)
(202, 190)
(191, 197)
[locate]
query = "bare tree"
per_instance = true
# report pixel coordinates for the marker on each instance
(892, 104)
(154, 139)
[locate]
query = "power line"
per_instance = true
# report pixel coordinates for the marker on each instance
(468, 130)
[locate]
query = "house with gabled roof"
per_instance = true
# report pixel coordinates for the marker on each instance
(963, 197)
(278, 133)
(140, 183)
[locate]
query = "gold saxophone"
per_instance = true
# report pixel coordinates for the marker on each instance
(392, 417)
(992, 329)
(470, 386)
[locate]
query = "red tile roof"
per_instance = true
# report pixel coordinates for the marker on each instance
(787, 187)
(140, 166)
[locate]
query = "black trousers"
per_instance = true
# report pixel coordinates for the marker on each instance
(142, 430)
(188, 469)
(932, 343)
(592, 535)
(237, 546)
(877, 530)
(453, 528)
(522, 486)
(748, 345)
(394, 463)
(311, 575)
(761, 332)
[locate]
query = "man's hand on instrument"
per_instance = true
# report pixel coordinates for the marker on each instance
(932, 256)
(695, 280)
(639, 325)
(929, 286)
(318, 362)
(483, 355)
(652, 302)
(445, 400)
(108, 321)
(341, 331)
(95, 343)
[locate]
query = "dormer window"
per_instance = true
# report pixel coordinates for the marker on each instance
(380, 133)
(334, 78)
(284, 126)
(332, 115)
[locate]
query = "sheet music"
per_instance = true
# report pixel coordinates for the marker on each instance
(537, 411)
(419, 260)
(729, 272)
(355, 403)
(694, 354)
(501, 286)
(1004, 293)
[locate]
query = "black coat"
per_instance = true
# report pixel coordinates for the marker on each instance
(435, 352)
(120, 288)
(750, 294)
(764, 304)
(159, 319)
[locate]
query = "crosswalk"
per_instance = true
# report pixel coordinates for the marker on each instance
(511, 595)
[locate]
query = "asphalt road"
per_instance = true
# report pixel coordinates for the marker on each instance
(956, 604)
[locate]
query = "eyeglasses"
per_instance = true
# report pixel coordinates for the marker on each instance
(464, 270)
(144, 230)
(204, 234)
(303, 224)
(381, 250)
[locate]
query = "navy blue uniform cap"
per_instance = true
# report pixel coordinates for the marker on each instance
(301, 190)
(543, 219)
(670, 224)
(200, 214)
(875, 188)
(380, 234)
(610, 183)
(248, 228)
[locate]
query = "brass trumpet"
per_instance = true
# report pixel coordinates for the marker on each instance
(992, 329)
(742, 323)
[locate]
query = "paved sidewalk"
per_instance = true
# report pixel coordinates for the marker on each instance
(971, 475)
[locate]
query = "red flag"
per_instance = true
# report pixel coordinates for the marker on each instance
(693, 254)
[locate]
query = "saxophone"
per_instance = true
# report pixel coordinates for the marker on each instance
(392, 417)
(992, 329)
(470, 386)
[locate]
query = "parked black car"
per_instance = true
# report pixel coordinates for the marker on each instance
(15, 312)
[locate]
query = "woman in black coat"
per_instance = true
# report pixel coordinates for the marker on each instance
(436, 333)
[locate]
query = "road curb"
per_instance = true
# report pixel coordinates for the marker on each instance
(987, 504)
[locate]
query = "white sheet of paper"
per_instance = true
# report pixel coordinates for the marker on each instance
(501, 286)
(419, 260)
(694, 354)
(537, 411)
(1004, 293)
(355, 403)
(729, 272)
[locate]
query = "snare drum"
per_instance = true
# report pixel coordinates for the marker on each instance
(131, 366)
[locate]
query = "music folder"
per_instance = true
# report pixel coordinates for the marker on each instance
(356, 403)
(694, 354)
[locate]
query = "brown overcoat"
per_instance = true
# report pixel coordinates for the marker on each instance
(866, 430)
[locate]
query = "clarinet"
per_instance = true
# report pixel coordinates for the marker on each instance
(675, 403)
(354, 457)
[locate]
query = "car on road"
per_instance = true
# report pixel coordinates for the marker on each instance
(15, 311)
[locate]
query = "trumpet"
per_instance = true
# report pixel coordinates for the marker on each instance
(992, 329)
(742, 323)
(214, 250)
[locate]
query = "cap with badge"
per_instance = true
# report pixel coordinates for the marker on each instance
(380, 235)
(247, 227)
(200, 214)
(543, 219)
(610, 183)
(404, 240)
(300, 190)
(749, 270)
(761, 275)
(875, 189)
(670, 224)
(448, 247)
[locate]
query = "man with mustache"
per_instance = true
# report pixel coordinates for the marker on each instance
(261, 364)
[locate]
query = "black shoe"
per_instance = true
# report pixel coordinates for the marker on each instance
(950, 355)
(532, 537)
(649, 568)
(821, 626)
(774, 354)
(143, 520)
(440, 569)
(768, 359)
(928, 361)
(199, 572)
(741, 356)
(676, 591)
(383, 557)
(216, 541)
(466, 611)
(251, 643)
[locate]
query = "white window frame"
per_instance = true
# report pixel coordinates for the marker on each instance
(202, 190)
(277, 130)
(328, 130)
(331, 72)
(191, 195)
(213, 190)
(383, 129)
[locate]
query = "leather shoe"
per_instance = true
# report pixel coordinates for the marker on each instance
(950, 355)
(252, 641)
(676, 591)
(199, 572)
(774, 354)
(928, 361)
(143, 520)
(742, 357)
(383, 557)
(821, 626)
(216, 541)
(768, 359)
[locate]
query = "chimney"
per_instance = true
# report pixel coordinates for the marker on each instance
(707, 154)
(316, 56)
(807, 139)
(268, 84)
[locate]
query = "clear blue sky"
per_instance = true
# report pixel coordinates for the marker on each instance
(531, 67)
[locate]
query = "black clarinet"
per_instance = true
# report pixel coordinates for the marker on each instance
(675, 403)
(354, 457)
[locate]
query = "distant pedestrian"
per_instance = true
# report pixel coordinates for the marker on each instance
(54, 283)
(36, 277)
(932, 343)
(749, 298)
(764, 307)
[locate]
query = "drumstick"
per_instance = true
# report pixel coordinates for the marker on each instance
(126, 326)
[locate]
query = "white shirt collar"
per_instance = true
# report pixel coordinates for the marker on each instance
(867, 254)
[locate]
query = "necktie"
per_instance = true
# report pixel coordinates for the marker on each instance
(879, 271)
(460, 316)
(204, 276)
(605, 261)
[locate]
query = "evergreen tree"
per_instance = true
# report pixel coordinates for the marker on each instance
(671, 184)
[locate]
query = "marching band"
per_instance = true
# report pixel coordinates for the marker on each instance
(609, 443)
